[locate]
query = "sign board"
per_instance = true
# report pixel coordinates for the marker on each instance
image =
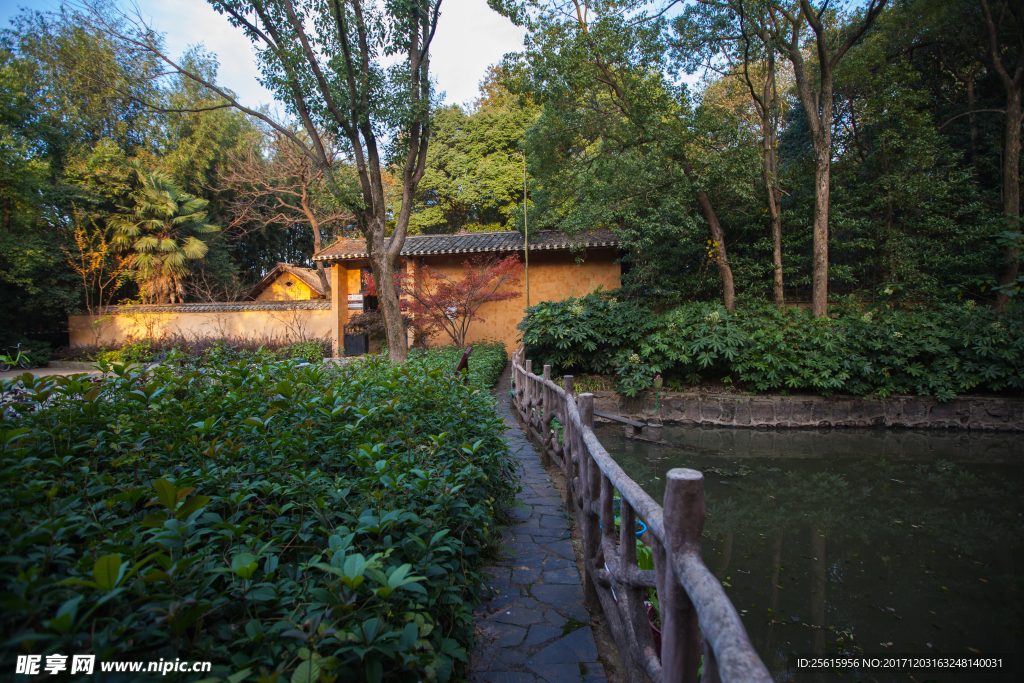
(355, 301)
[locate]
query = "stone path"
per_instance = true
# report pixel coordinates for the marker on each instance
(534, 627)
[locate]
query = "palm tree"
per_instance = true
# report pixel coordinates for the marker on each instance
(160, 225)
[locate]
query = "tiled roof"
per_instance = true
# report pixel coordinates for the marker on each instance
(305, 275)
(474, 242)
(307, 305)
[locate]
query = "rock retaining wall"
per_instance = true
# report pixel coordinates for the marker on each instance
(999, 414)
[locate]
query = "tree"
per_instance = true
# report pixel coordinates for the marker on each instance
(737, 32)
(282, 188)
(1003, 55)
(160, 226)
(95, 261)
(787, 30)
(101, 270)
(442, 301)
(325, 62)
(598, 70)
(472, 180)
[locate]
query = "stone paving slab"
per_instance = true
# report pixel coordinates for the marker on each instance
(534, 627)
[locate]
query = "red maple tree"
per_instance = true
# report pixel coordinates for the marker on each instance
(440, 301)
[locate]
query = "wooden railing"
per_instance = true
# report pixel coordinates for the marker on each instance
(697, 617)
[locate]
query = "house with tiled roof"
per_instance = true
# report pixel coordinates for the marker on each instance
(560, 266)
(287, 282)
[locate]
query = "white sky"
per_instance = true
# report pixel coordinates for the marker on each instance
(470, 37)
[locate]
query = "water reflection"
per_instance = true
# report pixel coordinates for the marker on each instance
(885, 542)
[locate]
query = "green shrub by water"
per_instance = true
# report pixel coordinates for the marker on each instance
(939, 351)
(329, 524)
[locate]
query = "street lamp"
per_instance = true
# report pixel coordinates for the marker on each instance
(526, 228)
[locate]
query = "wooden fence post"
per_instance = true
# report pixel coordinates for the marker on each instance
(528, 396)
(568, 445)
(545, 422)
(590, 482)
(684, 514)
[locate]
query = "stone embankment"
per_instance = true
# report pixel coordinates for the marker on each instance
(728, 410)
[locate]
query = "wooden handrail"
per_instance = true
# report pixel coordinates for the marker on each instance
(698, 621)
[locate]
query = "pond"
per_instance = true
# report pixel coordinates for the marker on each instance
(857, 540)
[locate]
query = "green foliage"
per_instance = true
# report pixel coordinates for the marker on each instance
(473, 180)
(309, 351)
(135, 351)
(326, 524)
(72, 118)
(584, 334)
(940, 351)
(199, 350)
(486, 362)
(159, 225)
(37, 352)
(619, 144)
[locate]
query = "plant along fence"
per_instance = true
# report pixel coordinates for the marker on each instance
(701, 636)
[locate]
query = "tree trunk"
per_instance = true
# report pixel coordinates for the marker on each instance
(769, 140)
(819, 261)
(718, 235)
(974, 121)
(722, 260)
(387, 293)
(777, 285)
(1011, 195)
(822, 178)
(774, 211)
(314, 224)
(818, 107)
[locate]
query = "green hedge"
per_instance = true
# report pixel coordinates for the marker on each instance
(486, 362)
(149, 350)
(939, 351)
(328, 524)
(38, 353)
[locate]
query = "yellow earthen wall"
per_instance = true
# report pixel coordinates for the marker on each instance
(280, 290)
(553, 276)
(297, 325)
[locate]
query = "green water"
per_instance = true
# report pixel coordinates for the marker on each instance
(857, 541)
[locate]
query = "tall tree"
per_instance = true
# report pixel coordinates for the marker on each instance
(1003, 55)
(733, 37)
(442, 301)
(606, 61)
(473, 181)
(160, 226)
(276, 185)
(787, 29)
(326, 62)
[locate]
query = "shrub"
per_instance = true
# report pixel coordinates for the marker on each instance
(225, 349)
(938, 351)
(584, 334)
(309, 351)
(133, 351)
(38, 352)
(486, 362)
(325, 523)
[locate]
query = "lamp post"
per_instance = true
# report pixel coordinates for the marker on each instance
(526, 229)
